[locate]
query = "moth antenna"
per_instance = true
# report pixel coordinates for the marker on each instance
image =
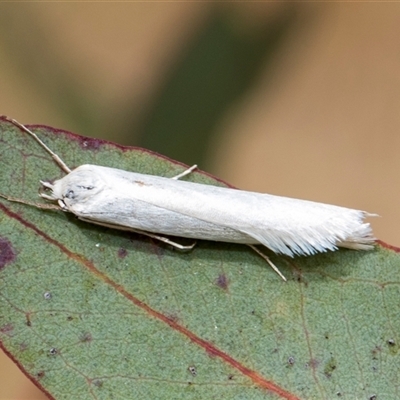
(55, 157)
(37, 205)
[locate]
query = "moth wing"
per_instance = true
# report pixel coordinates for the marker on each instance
(285, 225)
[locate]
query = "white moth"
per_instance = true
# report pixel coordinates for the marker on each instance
(155, 205)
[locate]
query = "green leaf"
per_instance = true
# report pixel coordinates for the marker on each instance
(88, 312)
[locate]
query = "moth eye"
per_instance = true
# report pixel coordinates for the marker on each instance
(70, 194)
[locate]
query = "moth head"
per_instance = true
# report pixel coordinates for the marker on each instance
(79, 186)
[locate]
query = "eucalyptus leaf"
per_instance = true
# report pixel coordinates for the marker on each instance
(89, 312)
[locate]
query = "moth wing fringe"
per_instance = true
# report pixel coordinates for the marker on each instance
(347, 231)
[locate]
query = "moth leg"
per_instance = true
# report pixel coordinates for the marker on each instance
(125, 228)
(184, 173)
(168, 241)
(28, 203)
(272, 265)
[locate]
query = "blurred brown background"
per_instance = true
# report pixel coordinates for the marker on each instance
(294, 99)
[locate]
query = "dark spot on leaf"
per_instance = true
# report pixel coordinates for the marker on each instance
(330, 366)
(47, 295)
(313, 363)
(90, 143)
(7, 329)
(173, 317)
(375, 352)
(86, 337)
(122, 253)
(222, 281)
(393, 347)
(69, 318)
(291, 360)
(192, 370)
(7, 253)
(23, 347)
(372, 397)
(98, 383)
(230, 377)
(338, 394)
(40, 374)
(53, 351)
(28, 319)
(298, 275)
